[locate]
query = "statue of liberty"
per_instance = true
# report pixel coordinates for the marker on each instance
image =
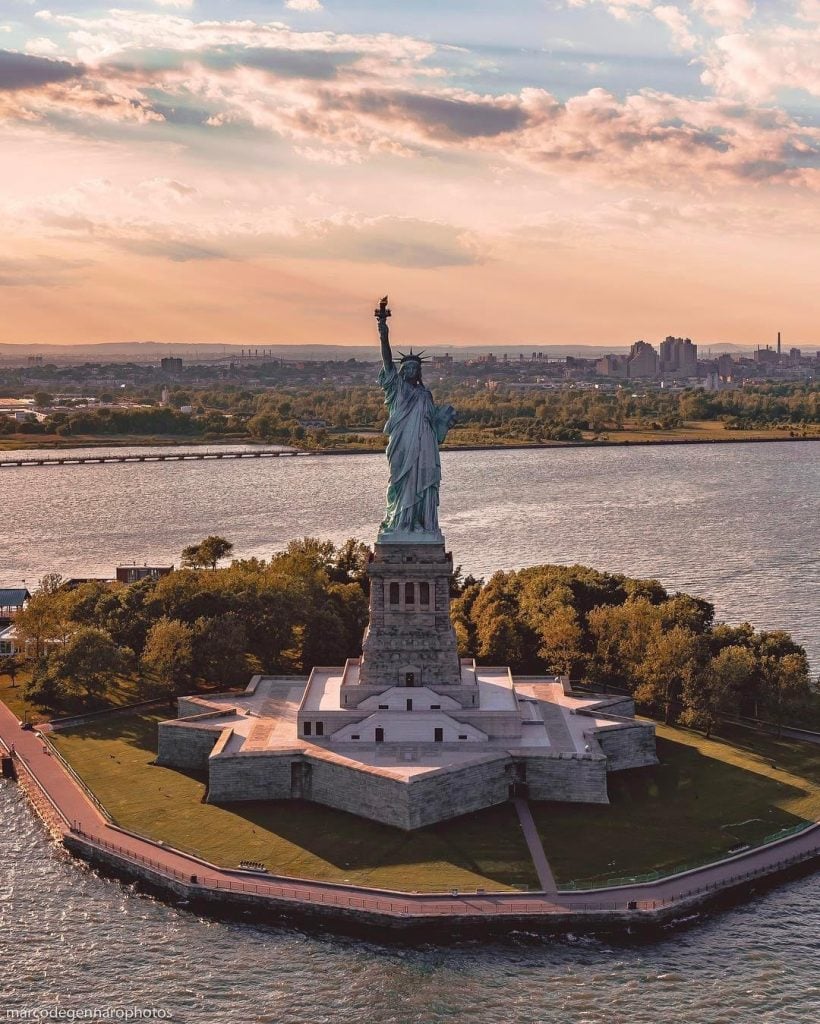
(416, 426)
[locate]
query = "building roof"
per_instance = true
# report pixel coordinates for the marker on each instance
(13, 597)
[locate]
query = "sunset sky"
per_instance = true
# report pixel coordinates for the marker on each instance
(537, 172)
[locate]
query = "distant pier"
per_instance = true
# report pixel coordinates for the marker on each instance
(171, 456)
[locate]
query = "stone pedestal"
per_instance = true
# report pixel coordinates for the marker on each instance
(410, 640)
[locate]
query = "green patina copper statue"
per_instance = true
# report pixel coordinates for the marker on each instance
(416, 426)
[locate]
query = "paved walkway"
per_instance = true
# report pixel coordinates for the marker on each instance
(82, 820)
(539, 858)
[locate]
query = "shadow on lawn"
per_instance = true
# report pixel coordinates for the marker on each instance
(792, 755)
(688, 804)
(690, 785)
(138, 731)
(487, 843)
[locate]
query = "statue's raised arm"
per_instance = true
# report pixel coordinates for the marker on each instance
(381, 314)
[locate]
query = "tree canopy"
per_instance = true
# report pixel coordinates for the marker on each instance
(307, 605)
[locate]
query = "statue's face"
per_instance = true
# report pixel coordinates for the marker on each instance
(411, 371)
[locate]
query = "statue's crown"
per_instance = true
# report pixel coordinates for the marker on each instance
(417, 356)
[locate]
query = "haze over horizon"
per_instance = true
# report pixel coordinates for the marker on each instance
(259, 172)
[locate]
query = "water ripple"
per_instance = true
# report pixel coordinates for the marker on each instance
(71, 938)
(733, 523)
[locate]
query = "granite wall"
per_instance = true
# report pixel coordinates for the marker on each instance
(571, 778)
(185, 746)
(262, 776)
(378, 796)
(628, 746)
(423, 801)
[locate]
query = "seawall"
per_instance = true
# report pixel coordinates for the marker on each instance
(82, 828)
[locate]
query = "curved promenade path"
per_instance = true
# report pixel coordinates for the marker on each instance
(73, 816)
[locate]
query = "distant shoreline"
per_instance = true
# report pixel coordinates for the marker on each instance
(121, 442)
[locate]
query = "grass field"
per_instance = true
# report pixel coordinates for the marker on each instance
(705, 797)
(485, 850)
(692, 431)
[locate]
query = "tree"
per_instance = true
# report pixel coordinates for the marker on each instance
(672, 663)
(87, 662)
(43, 621)
(620, 635)
(43, 399)
(561, 638)
(208, 552)
(219, 647)
(786, 686)
(44, 687)
(10, 665)
(50, 583)
(708, 695)
(169, 655)
(351, 561)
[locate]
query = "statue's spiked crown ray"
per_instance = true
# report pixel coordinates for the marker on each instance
(419, 357)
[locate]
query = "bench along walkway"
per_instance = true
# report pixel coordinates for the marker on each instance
(83, 825)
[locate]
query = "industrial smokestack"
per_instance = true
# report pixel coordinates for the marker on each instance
(778, 342)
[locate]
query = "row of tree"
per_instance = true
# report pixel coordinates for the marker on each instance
(289, 417)
(304, 606)
(308, 606)
(612, 632)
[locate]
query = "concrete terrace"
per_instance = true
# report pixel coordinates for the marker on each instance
(263, 717)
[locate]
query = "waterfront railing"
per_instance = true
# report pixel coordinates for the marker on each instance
(466, 904)
(680, 869)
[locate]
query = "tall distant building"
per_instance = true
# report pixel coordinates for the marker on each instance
(766, 356)
(642, 361)
(725, 366)
(612, 366)
(679, 357)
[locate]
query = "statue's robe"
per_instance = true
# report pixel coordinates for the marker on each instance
(416, 427)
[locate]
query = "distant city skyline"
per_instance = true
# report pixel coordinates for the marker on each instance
(572, 172)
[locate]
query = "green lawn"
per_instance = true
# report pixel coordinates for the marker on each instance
(484, 850)
(704, 798)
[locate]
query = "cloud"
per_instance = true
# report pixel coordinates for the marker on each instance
(24, 71)
(759, 65)
(724, 13)
(99, 39)
(303, 5)
(174, 249)
(174, 220)
(42, 272)
(345, 99)
(447, 117)
(393, 241)
(284, 63)
(398, 242)
(42, 46)
(678, 24)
